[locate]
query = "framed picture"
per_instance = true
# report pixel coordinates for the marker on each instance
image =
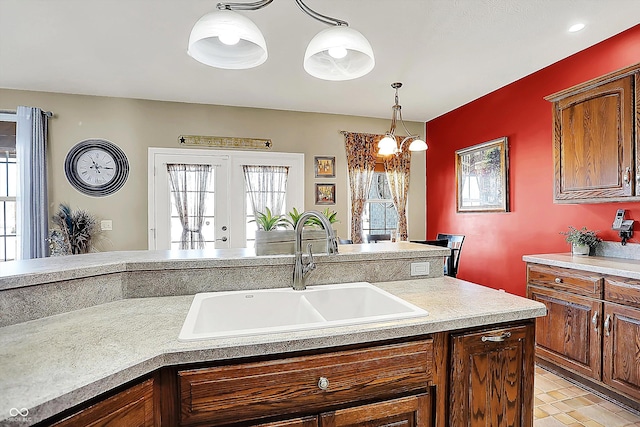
(325, 167)
(325, 194)
(482, 177)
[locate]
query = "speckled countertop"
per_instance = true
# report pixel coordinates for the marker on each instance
(51, 364)
(597, 264)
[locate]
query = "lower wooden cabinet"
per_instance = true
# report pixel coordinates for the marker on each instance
(297, 422)
(621, 354)
(569, 334)
(130, 408)
(492, 378)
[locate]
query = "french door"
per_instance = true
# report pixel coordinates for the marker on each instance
(165, 228)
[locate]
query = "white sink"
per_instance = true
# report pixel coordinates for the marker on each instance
(238, 313)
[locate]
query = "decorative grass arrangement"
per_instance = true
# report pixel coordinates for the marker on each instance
(78, 229)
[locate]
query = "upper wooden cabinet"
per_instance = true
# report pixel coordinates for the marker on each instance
(596, 130)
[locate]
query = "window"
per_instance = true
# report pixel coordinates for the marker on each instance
(379, 215)
(8, 188)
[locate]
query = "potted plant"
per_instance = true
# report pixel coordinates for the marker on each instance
(582, 240)
(272, 238)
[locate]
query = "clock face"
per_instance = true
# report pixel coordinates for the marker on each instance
(96, 167)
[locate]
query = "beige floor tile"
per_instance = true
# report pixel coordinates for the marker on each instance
(578, 402)
(565, 419)
(557, 394)
(579, 416)
(538, 402)
(591, 423)
(545, 384)
(550, 409)
(548, 422)
(546, 398)
(563, 407)
(632, 418)
(593, 398)
(609, 406)
(603, 416)
(539, 413)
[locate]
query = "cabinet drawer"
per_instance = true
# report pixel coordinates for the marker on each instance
(575, 281)
(623, 291)
(285, 386)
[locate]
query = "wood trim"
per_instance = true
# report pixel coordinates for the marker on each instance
(590, 84)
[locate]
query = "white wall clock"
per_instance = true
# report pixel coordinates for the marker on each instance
(96, 167)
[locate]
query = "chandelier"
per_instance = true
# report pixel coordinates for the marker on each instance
(226, 39)
(389, 144)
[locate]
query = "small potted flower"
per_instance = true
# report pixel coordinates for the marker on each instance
(582, 240)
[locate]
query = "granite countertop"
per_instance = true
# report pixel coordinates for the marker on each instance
(31, 272)
(53, 363)
(622, 267)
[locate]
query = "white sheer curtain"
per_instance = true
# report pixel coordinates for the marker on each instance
(189, 186)
(267, 187)
(32, 205)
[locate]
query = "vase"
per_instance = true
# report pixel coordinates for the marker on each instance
(283, 242)
(580, 249)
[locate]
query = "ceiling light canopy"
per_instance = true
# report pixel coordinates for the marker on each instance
(226, 39)
(389, 144)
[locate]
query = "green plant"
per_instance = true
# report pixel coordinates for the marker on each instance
(331, 216)
(582, 236)
(294, 217)
(267, 221)
(78, 229)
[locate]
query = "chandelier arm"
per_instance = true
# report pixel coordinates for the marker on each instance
(319, 17)
(244, 6)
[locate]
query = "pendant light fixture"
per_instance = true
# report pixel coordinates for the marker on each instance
(226, 39)
(389, 144)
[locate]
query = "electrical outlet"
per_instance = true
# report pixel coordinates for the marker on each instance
(106, 225)
(419, 268)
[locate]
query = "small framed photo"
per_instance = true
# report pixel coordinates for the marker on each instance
(325, 167)
(325, 194)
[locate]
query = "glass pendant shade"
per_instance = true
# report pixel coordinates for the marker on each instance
(226, 39)
(338, 53)
(418, 145)
(387, 145)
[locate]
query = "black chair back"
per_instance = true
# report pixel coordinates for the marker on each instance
(455, 242)
(438, 242)
(375, 238)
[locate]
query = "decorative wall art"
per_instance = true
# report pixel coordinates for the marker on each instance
(325, 194)
(225, 142)
(482, 177)
(325, 167)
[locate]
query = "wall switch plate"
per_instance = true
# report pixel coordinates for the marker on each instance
(106, 225)
(419, 268)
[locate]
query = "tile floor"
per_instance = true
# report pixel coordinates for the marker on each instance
(559, 403)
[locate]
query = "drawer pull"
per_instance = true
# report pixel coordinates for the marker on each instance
(594, 321)
(323, 383)
(498, 338)
(607, 324)
(558, 280)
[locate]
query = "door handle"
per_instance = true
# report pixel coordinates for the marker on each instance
(223, 238)
(626, 176)
(607, 325)
(594, 321)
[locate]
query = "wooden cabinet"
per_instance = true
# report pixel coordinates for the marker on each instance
(412, 411)
(592, 328)
(569, 334)
(492, 378)
(316, 383)
(130, 408)
(596, 125)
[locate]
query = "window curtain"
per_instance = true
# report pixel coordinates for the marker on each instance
(32, 204)
(189, 185)
(361, 151)
(397, 169)
(267, 188)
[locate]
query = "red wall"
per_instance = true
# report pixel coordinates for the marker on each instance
(495, 242)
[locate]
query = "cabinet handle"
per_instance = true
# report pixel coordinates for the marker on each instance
(607, 325)
(323, 383)
(558, 280)
(498, 338)
(626, 176)
(594, 321)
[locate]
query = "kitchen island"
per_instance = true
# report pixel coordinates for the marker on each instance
(71, 362)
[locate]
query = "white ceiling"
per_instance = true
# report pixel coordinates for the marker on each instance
(446, 52)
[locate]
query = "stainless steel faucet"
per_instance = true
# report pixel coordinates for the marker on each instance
(300, 270)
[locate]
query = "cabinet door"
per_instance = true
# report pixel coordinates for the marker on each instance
(492, 378)
(130, 408)
(569, 335)
(621, 367)
(593, 143)
(412, 411)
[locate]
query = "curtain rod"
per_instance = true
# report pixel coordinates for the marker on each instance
(47, 113)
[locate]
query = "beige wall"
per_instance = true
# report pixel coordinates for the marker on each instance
(135, 125)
